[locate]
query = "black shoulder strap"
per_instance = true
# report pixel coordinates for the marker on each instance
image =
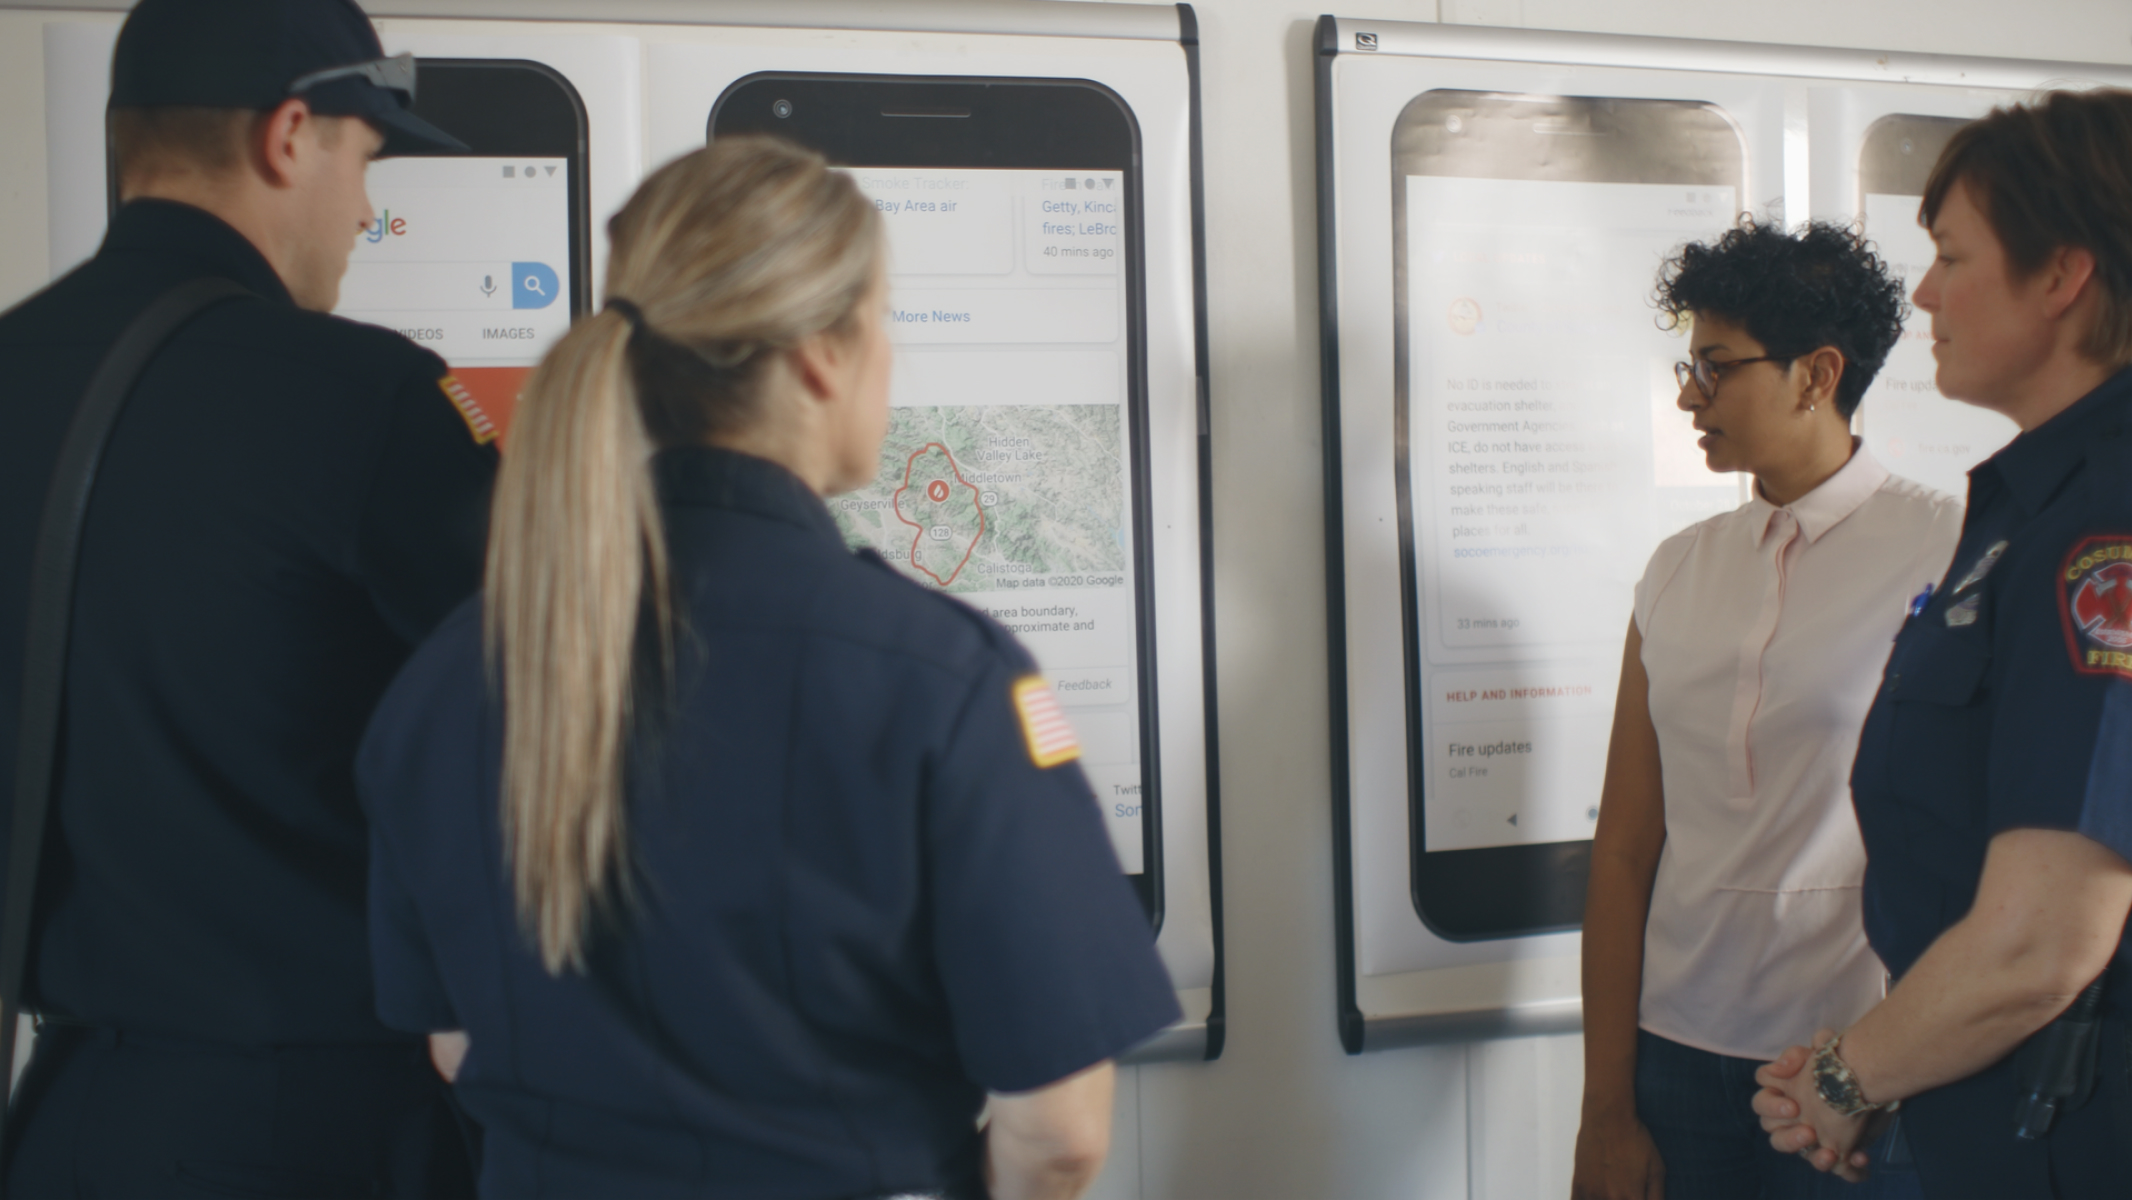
(51, 607)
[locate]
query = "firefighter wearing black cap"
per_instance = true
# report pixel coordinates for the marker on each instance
(288, 503)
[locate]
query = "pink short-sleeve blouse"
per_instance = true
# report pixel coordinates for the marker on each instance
(1764, 634)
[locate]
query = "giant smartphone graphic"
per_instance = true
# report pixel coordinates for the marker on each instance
(1013, 476)
(1540, 458)
(1909, 425)
(482, 257)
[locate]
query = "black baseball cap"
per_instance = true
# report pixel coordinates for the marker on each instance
(257, 53)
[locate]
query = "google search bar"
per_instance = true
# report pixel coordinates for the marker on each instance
(448, 286)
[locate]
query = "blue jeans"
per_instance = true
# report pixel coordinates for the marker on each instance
(1697, 1106)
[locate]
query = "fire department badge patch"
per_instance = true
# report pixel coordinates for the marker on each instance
(2096, 587)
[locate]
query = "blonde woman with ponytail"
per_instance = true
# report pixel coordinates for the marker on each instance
(717, 860)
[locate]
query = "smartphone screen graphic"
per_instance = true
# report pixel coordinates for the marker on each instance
(469, 257)
(1913, 429)
(1004, 479)
(1542, 455)
(1014, 472)
(481, 256)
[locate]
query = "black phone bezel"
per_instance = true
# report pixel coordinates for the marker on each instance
(1016, 123)
(1910, 181)
(1527, 889)
(506, 106)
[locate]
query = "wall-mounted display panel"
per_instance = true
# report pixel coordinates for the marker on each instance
(1014, 213)
(1504, 451)
(1873, 150)
(1539, 451)
(1083, 331)
(1051, 375)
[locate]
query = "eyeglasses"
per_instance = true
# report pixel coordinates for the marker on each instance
(395, 74)
(1706, 375)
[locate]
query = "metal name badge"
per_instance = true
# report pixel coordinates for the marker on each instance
(1964, 613)
(1978, 572)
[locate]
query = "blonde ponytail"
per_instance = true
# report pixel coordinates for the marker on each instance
(730, 255)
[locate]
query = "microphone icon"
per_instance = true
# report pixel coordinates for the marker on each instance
(488, 285)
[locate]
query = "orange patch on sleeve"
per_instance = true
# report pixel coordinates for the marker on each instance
(486, 397)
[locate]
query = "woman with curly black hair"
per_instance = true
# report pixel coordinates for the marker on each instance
(1723, 919)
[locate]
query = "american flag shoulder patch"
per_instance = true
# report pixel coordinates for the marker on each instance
(470, 410)
(1044, 725)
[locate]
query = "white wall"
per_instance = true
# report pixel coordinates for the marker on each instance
(1285, 1114)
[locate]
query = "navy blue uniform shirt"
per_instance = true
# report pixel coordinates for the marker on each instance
(2006, 704)
(289, 504)
(859, 901)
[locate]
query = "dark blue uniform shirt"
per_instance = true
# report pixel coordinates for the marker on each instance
(2007, 704)
(859, 902)
(289, 504)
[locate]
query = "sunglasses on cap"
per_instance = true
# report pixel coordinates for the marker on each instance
(396, 73)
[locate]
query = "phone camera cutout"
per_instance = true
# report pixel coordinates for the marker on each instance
(780, 109)
(1454, 123)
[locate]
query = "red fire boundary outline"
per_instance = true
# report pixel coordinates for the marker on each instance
(911, 464)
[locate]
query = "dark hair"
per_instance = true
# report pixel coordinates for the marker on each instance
(2052, 174)
(1795, 292)
(148, 141)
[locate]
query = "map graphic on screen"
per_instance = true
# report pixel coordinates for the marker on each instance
(1003, 480)
(986, 498)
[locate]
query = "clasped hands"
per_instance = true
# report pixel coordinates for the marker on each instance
(1800, 1122)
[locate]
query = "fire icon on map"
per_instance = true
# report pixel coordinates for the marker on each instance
(945, 511)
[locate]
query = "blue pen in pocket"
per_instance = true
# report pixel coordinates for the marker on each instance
(1920, 602)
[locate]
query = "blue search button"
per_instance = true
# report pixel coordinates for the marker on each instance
(533, 285)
